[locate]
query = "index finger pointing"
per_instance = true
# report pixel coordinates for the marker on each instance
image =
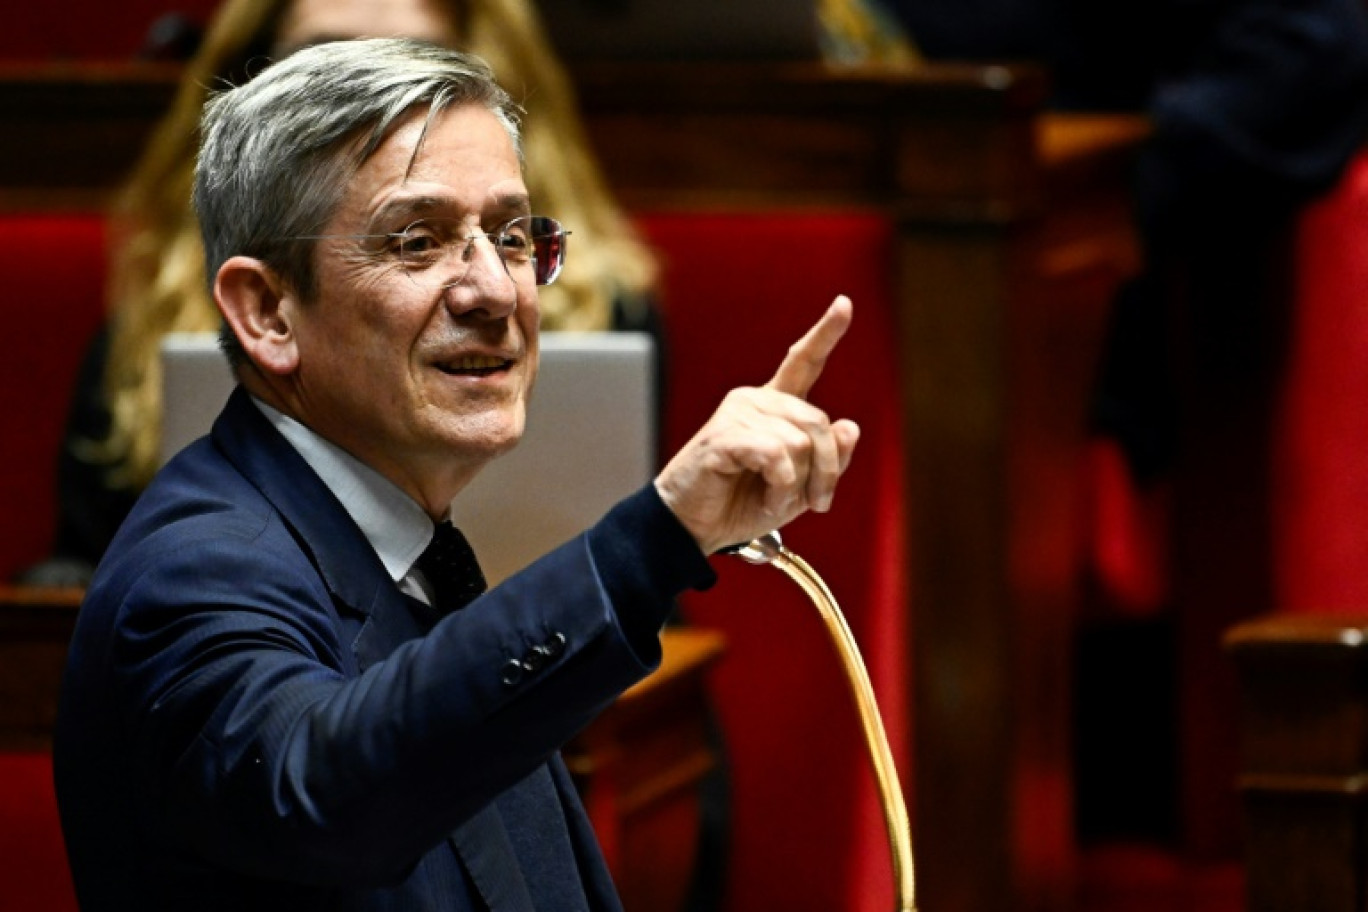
(807, 357)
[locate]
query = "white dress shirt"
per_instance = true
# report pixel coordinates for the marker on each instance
(394, 524)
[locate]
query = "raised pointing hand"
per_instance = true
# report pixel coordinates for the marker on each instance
(766, 455)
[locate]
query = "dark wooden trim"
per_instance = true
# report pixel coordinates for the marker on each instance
(35, 625)
(74, 131)
(1304, 760)
(946, 142)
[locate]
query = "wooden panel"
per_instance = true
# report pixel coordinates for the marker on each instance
(35, 625)
(943, 141)
(74, 131)
(1001, 332)
(1304, 761)
(940, 141)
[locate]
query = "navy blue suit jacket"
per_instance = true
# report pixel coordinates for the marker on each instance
(255, 717)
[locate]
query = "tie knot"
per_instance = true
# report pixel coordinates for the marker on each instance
(451, 569)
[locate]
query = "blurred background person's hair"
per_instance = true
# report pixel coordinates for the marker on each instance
(157, 282)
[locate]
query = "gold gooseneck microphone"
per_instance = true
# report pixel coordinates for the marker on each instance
(769, 549)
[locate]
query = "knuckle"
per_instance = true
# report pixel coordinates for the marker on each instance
(741, 396)
(796, 440)
(774, 448)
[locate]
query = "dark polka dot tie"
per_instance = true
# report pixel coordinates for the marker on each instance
(451, 568)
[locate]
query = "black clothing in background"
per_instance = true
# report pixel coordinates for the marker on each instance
(1256, 105)
(89, 506)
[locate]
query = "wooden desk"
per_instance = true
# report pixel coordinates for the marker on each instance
(638, 765)
(35, 627)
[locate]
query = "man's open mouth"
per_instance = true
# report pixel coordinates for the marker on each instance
(475, 365)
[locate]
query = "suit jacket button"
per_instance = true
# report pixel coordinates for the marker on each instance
(534, 660)
(555, 645)
(512, 672)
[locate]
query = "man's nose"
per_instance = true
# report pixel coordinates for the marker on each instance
(486, 284)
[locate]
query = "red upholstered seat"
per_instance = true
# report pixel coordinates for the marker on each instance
(32, 856)
(53, 298)
(1316, 509)
(1127, 534)
(1320, 473)
(739, 289)
(88, 29)
(54, 271)
(1319, 486)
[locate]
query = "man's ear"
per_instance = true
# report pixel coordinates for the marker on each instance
(260, 311)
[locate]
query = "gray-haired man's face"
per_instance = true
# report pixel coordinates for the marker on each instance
(423, 383)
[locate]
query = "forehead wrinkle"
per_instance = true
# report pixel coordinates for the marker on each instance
(419, 195)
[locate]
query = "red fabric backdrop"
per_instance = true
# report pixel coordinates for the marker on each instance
(53, 268)
(739, 289)
(1320, 476)
(33, 875)
(88, 30)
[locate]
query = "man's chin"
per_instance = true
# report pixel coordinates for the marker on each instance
(488, 437)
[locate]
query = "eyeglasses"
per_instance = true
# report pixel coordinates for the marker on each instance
(437, 252)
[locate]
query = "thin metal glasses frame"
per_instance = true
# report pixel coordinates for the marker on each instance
(529, 240)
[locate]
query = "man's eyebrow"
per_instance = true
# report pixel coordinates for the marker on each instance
(411, 208)
(405, 209)
(518, 203)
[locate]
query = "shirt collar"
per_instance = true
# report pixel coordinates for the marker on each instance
(394, 524)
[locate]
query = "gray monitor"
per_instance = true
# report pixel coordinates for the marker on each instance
(590, 439)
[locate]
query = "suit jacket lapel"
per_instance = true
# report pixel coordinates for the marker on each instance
(345, 560)
(359, 583)
(341, 553)
(486, 851)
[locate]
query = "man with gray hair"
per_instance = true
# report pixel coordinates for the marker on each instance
(287, 688)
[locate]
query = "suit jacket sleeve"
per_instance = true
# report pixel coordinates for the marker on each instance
(274, 746)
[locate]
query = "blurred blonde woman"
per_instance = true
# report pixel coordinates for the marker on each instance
(157, 269)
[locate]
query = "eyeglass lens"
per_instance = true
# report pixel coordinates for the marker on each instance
(437, 253)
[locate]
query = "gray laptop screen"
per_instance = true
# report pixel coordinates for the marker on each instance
(590, 439)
